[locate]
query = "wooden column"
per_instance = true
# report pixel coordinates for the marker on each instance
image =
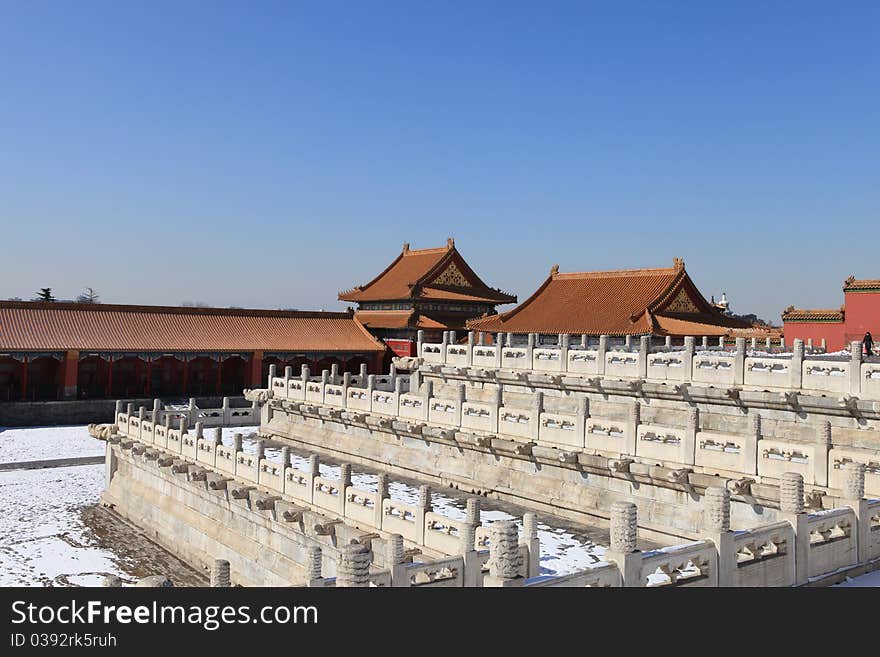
(256, 378)
(69, 375)
(24, 378)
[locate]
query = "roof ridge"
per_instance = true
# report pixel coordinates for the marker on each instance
(178, 310)
(614, 272)
(439, 249)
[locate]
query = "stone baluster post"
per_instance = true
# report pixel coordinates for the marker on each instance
(823, 447)
(304, 378)
(505, 558)
(627, 343)
(353, 569)
(220, 576)
(668, 343)
(334, 374)
(460, 398)
(687, 359)
(129, 409)
(424, 506)
(470, 348)
(314, 471)
(325, 379)
(564, 346)
(754, 344)
(226, 411)
(624, 541)
(782, 343)
(481, 338)
(468, 539)
(472, 512)
(371, 386)
(853, 497)
(395, 561)
(499, 350)
(288, 375)
(705, 344)
(750, 444)
(218, 436)
(537, 409)
(472, 566)
(343, 485)
(415, 382)
(810, 345)
(716, 526)
(644, 349)
(498, 404)
(532, 543)
(236, 449)
(855, 368)
(444, 343)
(273, 373)
(769, 345)
(381, 494)
(314, 567)
(797, 365)
(157, 412)
(427, 394)
(346, 384)
(285, 460)
(600, 355)
(791, 508)
(117, 409)
(632, 427)
(721, 342)
(824, 346)
(689, 448)
(531, 341)
(192, 411)
(420, 342)
(739, 362)
(583, 414)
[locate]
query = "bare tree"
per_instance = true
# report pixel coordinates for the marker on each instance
(88, 296)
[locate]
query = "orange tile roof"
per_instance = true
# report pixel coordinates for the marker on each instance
(852, 284)
(38, 326)
(677, 326)
(411, 274)
(622, 302)
(793, 314)
(395, 319)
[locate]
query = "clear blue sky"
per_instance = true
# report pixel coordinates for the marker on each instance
(271, 154)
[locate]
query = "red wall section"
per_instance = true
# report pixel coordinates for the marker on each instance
(833, 333)
(862, 314)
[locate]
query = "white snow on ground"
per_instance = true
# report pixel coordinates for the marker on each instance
(46, 443)
(41, 534)
(869, 579)
(561, 551)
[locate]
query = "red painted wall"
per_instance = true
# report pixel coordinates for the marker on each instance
(832, 332)
(402, 347)
(862, 313)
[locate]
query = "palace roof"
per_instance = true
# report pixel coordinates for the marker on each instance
(398, 319)
(852, 284)
(661, 301)
(42, 326)
(435, 274)
(792, 314)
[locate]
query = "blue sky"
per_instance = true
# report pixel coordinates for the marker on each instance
(272, 154)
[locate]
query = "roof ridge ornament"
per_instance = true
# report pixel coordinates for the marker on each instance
(406, 247)
(678, 263)
(554, 270)
(450, 242)
(849, 281)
